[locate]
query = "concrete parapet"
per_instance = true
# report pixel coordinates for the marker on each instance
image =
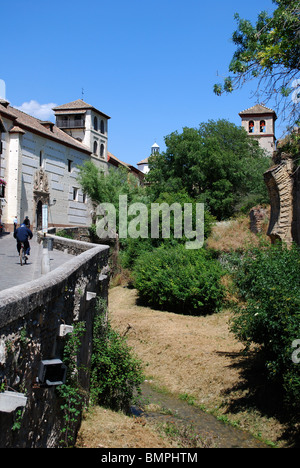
(30, 319)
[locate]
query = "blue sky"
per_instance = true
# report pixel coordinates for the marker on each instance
(149, 65)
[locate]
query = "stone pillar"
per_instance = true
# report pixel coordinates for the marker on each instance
(296, 219)
(14, 182)
(257, 217)
(280, 182)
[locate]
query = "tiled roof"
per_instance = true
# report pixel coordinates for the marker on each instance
(144, 161)
(79, 104)
(29, 123)
(258, 109)
(113, 157)
(16, 129)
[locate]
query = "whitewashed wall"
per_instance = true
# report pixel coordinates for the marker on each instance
(21, 160)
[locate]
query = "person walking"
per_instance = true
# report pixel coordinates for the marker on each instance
(27, 222)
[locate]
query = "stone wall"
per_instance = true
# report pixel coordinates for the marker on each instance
(259, 215)
(30, 320)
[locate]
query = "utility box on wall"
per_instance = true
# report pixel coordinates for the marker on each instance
(52, 372)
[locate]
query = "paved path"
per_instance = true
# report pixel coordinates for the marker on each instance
(11, 272)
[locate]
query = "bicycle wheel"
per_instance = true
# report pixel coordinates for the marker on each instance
(22, 256)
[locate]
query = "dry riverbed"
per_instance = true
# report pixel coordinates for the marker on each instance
(196, 358)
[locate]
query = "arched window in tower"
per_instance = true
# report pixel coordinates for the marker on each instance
(95, 149)
(95, 123)
(262, 126)
(102, 126)
(251, 126)
(102, 150)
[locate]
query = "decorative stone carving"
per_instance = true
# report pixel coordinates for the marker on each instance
(41, 196)
(40, 183)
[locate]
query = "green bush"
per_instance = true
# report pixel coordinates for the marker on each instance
(179, 280)
(268, 280)
(131, 248)
(64, 233)
(116, 374)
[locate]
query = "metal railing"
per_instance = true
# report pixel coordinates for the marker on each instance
(70, 123)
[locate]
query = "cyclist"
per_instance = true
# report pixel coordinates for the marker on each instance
(22, 234)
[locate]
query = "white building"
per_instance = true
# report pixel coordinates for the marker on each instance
(144, 164)
(38, 162)
(259, 122)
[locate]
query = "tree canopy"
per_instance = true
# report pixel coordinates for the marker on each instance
(270, 52)
(106, 188)
(217, 163)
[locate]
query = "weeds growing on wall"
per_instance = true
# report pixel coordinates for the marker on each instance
(116, 373)
(72, 394)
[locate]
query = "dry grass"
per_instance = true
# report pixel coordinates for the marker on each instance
(234, 235)
(108, 429)
(179, 350)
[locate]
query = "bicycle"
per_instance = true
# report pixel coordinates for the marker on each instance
(23, 258)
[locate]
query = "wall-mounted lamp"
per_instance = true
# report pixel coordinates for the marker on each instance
(52, 372)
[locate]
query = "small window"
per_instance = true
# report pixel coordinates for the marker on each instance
(262, 126)
(251, 126)
(84, 198)
(75, 194)
(95, 123)
(102, 126)
(70, 165)
(95, 149)
(102, 150)
(41, 159)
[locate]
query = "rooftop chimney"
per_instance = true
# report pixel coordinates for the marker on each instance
(47, 124)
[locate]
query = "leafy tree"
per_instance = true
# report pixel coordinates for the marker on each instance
(133, 248)
(106, 188)
(270, 52)
(218, 164)
(102, 187)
